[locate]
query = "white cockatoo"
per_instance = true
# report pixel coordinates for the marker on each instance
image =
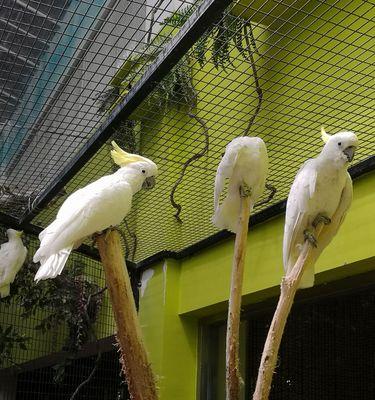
(12, 256)
(244, 167)
(322, 191)
(97, 206)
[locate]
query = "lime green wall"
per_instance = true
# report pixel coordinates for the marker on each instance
(170, 338)
(207, 274)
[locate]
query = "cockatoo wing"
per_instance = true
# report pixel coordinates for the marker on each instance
(297, 213)
(329, 231)
(224, 173)
(93, 208)
(245, 162)
(5, 260)
(74, 204)
(257, 180)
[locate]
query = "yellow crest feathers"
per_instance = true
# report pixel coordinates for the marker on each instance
(121, 157)
(325, 136)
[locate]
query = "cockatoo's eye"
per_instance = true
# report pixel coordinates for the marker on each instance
(339, 143)
(143, 171)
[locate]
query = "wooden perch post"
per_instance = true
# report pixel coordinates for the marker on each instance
(233, 378)
(289, 286)
(135, 364)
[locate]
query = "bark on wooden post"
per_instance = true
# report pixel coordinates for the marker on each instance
(289, 286)
(134, 360)
(233, 378)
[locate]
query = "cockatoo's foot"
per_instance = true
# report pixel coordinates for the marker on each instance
(310, 237)
(245, 191)
(105, 232)
(321, 218)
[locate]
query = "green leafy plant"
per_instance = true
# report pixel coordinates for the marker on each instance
(230, 32)
(71, 299)
(125, 136)
(10, 339)
(176, 89)
(106, 98)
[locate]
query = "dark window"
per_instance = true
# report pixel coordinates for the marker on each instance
(327, 352)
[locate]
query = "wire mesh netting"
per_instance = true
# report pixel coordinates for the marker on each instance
(58, 316)
(327, 351)
(56, 102)
(275, 69)
(106, 382)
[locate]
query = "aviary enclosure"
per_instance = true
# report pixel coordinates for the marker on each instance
(176, 81)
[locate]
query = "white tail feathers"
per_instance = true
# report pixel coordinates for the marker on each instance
(53, 265)
(226, 214)
(308, 278)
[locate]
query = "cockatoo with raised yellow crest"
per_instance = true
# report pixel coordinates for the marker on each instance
(12, 256)
(322, 192)
(97, 206)
(244, 166)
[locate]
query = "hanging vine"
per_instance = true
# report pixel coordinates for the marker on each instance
(231, 32)
(177, 89)
(193, 158)
(131, 255)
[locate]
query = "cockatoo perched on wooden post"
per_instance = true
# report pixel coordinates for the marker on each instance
(245, 166)
(12, 256)
(322, 192)
(97, 206)
(318, 201)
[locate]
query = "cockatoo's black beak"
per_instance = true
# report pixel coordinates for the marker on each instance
(149, 183)
(349, 152)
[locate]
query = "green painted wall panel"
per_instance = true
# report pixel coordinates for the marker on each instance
(170, 339)
(207, 274)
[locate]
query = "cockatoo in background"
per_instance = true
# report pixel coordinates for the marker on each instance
(322, 192)
(245, 166)
(12, 256)
(97, 206)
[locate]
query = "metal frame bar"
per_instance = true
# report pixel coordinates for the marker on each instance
(206, 14)
(7, 94)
